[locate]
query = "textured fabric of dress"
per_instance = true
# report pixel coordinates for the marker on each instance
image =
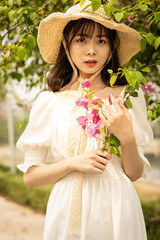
(110, 206)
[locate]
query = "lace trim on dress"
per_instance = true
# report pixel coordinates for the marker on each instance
(34, 156)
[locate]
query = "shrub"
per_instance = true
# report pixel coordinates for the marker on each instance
(151, 212)
(12, 185)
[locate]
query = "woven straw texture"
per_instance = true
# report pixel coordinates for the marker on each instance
(50, 33)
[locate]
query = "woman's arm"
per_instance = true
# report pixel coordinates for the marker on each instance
(46, 174)
(119, 122)
(92, 161)
(132, 162)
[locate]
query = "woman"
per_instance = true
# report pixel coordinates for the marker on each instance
(93, 197)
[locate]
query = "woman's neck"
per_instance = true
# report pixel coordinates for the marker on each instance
(96, 84)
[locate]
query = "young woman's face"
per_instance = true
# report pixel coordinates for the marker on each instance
(90, 54)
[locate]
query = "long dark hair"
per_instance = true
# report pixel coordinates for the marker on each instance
(61, 74)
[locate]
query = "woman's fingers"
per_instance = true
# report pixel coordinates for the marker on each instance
(105, 118)
(104, 154)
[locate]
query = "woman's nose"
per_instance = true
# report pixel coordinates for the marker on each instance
(90, 49)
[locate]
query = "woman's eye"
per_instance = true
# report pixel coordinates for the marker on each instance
(102, 41)
(81, 40)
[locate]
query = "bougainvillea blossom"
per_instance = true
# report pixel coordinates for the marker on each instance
(92, 129)
(131, 18)
(83, 121)
(86, 84)
(82, 102)
(147, 88)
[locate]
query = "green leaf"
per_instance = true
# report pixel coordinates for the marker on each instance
(31, 41)
(95, 107)
(113, 80)
(114, 150)
(144, 7)
(135, 94)
(88, 93)
(11, 15)
(131, 78)
(86, 7)
(157, 16)
(119, 16)
(129, 103)
(150, 38)
(16, 75)
(33, 16)
(28, 71)
(19, 2)
(114, 140)
(108, 9)
(158, 25)
(10, 3)
(95, 4)
(143, 44)
(21, 53)
(157, 43)
(82, 2)
(100, 102)
(4, 10)
(146, 69)
(103, 130)
(110, 71)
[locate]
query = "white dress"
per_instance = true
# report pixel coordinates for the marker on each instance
(111, 209)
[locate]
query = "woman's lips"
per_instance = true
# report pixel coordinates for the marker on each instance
(90, 63)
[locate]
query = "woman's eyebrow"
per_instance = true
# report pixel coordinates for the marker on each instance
(86, 35)
(102, 36)
(82, 34)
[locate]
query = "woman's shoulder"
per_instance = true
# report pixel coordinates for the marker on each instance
(45, 101)
(45, 97)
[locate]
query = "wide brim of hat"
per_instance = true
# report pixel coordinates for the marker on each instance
(50, 35)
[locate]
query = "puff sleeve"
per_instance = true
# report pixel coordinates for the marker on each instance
(36, 138)
(141, 128)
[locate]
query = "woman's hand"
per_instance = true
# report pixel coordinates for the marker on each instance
(92, 161)
(117, 119)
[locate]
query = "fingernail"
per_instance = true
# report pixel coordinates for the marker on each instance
(110, 101)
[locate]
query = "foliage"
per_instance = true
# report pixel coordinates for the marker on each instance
(20, 57)
(151, 212)
(19, 127)
(144, 16)
(12, 185)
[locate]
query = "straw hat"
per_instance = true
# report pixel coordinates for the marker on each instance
(50, 33)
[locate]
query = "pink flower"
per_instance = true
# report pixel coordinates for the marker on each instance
(131, 18)
(100, 123)
(147, 23)
(92, 129)
(96, 119)
(83, 121)
(95, 101)
(86, 84)
(147, 88)
(146, 26)
(82, 102)
(92, 113)
(123, 23)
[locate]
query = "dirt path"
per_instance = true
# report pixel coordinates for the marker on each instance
(18, 222)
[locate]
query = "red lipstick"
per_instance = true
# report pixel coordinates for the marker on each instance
(91, 62)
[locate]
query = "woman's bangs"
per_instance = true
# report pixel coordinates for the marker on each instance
(85, 27)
